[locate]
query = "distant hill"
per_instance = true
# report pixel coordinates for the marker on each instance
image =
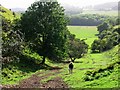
(107, 6)
(70, 10)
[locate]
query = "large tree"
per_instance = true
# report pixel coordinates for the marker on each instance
(44, 28)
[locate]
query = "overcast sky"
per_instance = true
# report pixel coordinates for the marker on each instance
(26, 3)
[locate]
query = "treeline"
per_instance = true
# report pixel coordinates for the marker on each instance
(109, 36)
(41, 29)
(88, 19)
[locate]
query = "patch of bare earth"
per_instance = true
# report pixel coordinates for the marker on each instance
(55, 83)
(34, 81)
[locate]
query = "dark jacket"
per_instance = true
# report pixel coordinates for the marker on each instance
(71, 66)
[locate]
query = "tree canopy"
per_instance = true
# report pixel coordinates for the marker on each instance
(44, 28)
(76, 47)
(108, 37)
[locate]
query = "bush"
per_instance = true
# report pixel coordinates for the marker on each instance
(12, 42)
(108, 37)
(99, 73)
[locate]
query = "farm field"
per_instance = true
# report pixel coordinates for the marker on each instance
(84, 32)
(109, 13)
(99, 64)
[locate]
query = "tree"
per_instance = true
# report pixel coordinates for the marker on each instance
(12, 42)
(44, 28)
(95, 47)
(103, 26)
(76, 47)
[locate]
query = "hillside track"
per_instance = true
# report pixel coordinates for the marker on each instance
(35, 81)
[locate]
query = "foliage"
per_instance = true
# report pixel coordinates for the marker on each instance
(99, 73)
(76, 47)
(87, 33)
(103, 26)
(76, 79)
(107, 78)
(88, 19)
(12, 42)
(44, 28)
(108, 37)
(7, 14)
(11, 38)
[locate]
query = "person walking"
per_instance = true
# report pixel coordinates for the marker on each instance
(71, 67)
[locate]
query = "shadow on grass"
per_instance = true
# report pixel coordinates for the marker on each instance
(67, 62)
(96, 34)
(78, 61)
(87, 68)
(28, 64)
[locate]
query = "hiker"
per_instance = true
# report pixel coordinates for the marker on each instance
(70, 67)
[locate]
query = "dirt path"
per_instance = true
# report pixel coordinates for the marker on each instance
(35, 81)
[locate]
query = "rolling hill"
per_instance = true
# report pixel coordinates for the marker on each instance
(107, 6)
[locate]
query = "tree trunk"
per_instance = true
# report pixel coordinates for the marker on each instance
(43, 61)
(43, 46)
(72, 59)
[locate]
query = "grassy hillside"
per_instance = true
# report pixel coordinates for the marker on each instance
(8, 14)
(93, 70)
(99, 70)
(98, 64)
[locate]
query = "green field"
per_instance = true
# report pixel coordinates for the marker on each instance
(109, 13)
(84, 32)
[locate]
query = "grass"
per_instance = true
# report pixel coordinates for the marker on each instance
(47, 79)
(8, 14)
(90, 63)
(84, 32)
(12, 75)
(76, 80)
(15, 72)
